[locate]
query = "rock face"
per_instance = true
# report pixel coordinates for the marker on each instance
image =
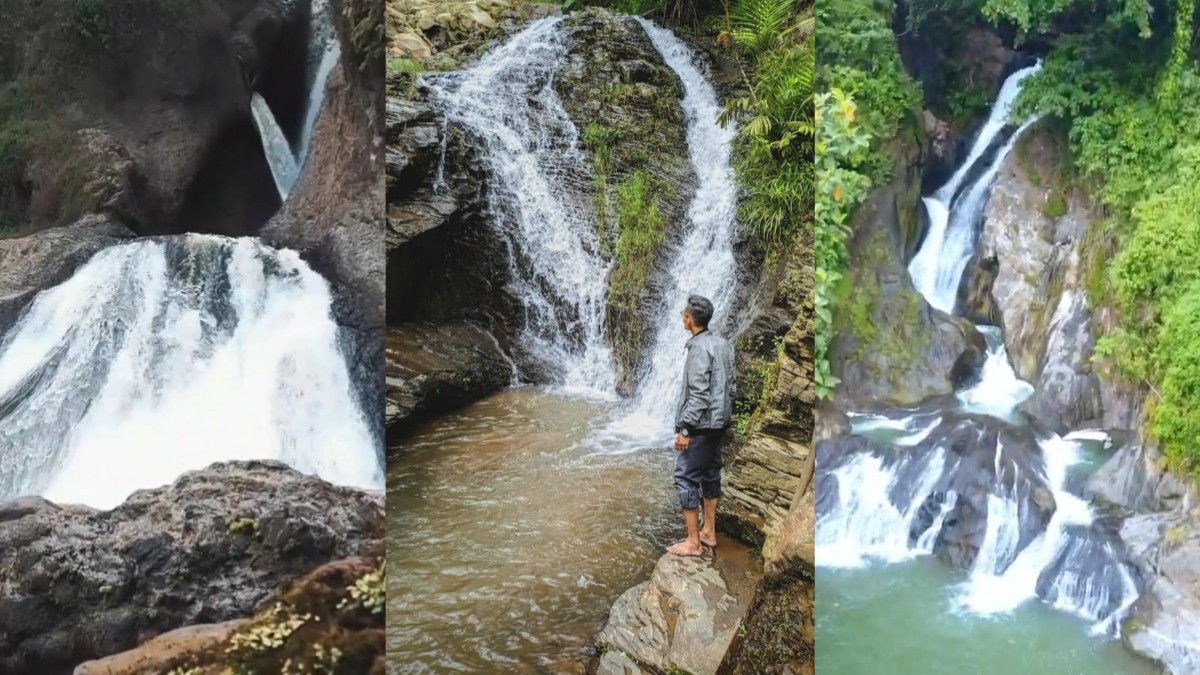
(1035, 233)
(889, 345)
(40, 261)
(77, 584)
(152, 656)
(171, 90)
(1164, 623)
(437, 367)
(685, 616)
(334, 215)
(615, 80)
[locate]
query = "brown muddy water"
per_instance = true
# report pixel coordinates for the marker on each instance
(513, 525)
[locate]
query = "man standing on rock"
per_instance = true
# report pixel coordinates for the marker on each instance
(700, 423)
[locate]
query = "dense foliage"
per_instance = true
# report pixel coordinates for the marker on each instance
(1127, 86)
(841, 153)
(775, 137)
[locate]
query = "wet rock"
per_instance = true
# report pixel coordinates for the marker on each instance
(889, 344)
(43, 260)
(1166, 619)
(974, 458)
(975, 291)
(613, 78)
(780, 628)
(78, 584)
(686, 615)
(1091, 572)
(334, 215)
(434, 368)
(1035, 231)
(1134, 478)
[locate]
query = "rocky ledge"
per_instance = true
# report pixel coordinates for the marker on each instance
(684, 617)
(77, 584)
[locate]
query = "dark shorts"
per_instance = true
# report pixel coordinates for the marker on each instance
(698, 469)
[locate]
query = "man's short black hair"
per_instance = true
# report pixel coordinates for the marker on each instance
(700, 309)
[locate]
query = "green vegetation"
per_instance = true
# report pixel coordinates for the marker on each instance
(773, 158)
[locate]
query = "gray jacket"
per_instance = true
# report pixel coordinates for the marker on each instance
(708, 384)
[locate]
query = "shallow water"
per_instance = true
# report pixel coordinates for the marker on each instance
(901, 619)
(512, 530)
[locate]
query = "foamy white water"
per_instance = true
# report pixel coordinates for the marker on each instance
(162, 356)
(532, 153)
(275, 146)
(703, 262)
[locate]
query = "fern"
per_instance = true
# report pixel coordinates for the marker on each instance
(760, 25)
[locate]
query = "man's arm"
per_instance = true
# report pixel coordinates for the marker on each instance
(698, 372)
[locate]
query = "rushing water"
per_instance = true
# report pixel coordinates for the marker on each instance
(165, 355)
(541, 505)
(287, 159)
(875, 535)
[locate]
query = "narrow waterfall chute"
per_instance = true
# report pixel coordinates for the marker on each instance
(275, 146)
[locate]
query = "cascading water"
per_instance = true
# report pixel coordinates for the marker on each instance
(275, 146)
(1070, 562)
(165, 355)
(324, 51)
(954, 213)
(532, 152)
(703, 261)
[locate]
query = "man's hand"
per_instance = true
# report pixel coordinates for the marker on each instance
(681, 442)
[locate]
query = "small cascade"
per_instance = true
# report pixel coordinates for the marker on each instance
(323, 54)
(165, 355)
(703, 261)
(275, 146)
(955, 208)
(287, 159)
(533, 155)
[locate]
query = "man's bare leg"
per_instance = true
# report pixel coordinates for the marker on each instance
(690, 546)
(708, 533)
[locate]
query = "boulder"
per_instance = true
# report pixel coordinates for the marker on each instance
(151, 657)
(686, 615)
(1165, 624)
(889, 344)
(974, 458)
(46, 259)
(78, 584)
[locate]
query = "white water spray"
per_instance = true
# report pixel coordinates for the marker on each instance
(166, 355)
(939, 264)
(704, 261)
(533, 155)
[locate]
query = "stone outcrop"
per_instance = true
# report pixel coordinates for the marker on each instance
(437, 367)
(151, 657)
(43, 260)
(1035, 230)
(684, 617)
(334, 215)
(889, 345)
(170, 90)
(78, 584)
(1163, 626)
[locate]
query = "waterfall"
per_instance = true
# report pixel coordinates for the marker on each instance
(165, 355)
(533, 156)
(275, 146)
(703, 262)
(954, 214)
(323, 54)
(1072, 562)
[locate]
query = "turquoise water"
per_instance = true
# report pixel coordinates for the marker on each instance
(900, 619)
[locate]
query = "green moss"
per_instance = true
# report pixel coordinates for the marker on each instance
(1055, 205)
